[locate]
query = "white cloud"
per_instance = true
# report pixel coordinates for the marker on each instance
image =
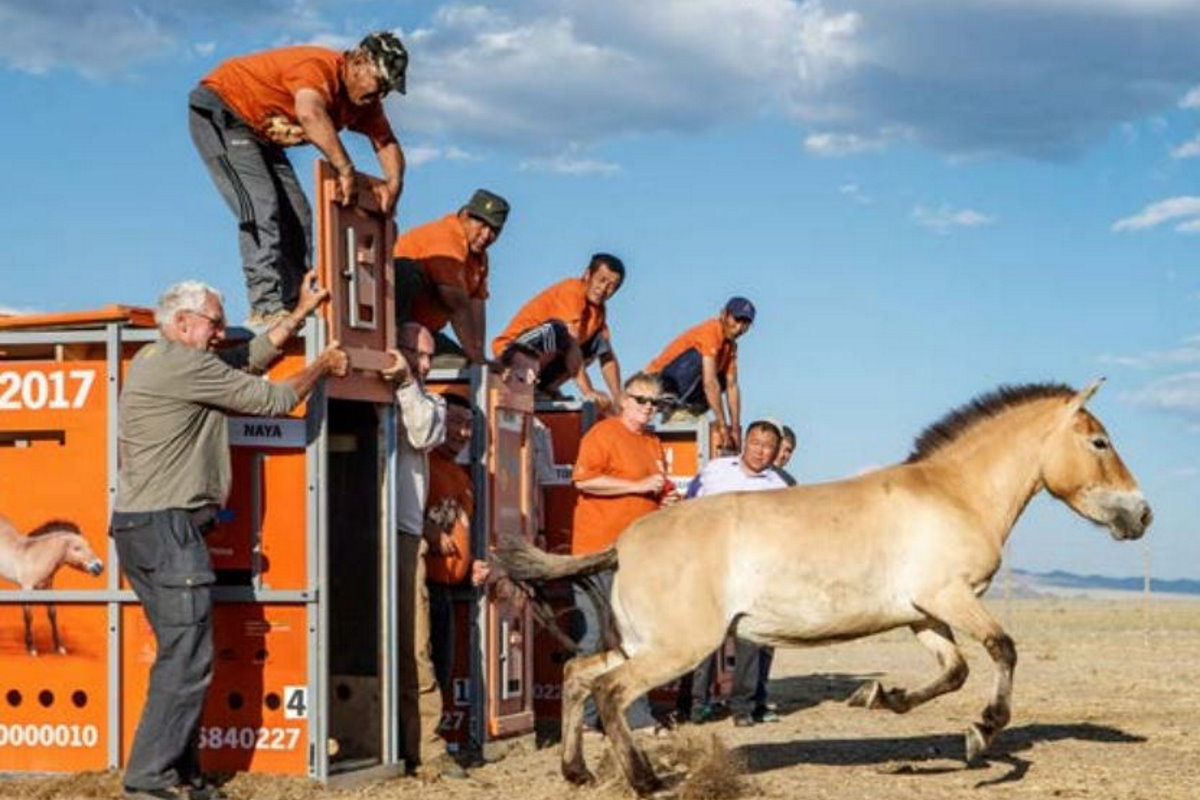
(1189, 149)
(204, 48)
(856, 193)
(9, 311)
(1191, 99)
(570, 165)
(420, 154)
(1188, 354)
(842, 144)
(1176, 394)
(1186, 208)
(945, 218)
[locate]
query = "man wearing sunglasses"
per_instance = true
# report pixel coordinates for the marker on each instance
(699, 370)
(173, 440)
(247, 110)
(621, 475)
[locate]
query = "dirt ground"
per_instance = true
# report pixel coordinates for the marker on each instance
(1105, 698)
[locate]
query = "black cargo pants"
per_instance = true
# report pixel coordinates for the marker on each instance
(163, 555)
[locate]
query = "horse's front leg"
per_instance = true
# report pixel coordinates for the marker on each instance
(27, 613)
(938, 639)
(957, 606)
(52, 613)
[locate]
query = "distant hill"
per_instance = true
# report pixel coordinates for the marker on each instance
(1034, 584)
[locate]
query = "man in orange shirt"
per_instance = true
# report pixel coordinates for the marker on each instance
(249, 108)
(701, 365)
(448, 511)
(621, 475)
(441, 276)
(566, 325)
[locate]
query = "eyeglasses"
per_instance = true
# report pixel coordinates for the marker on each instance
(217, 322)
(643, 400)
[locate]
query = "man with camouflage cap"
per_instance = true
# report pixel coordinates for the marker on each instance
(247, 110)
(441, 276)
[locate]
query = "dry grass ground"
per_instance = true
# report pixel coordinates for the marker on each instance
(1106, 697)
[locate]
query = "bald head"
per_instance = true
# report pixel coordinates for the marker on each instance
(416, 344)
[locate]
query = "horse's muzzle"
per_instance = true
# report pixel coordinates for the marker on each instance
(1131, 520)
(95, 567)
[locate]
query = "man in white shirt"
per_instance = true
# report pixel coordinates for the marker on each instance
(421, 427)
(751, 471)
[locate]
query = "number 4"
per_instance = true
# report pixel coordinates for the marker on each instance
(295, 704)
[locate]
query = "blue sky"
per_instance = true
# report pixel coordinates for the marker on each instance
(924, 199)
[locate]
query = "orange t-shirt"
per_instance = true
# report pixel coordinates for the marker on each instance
(705, 337)
(451, 496)
(262, 87)
(565, 301)
(611, 449)
(440, 248)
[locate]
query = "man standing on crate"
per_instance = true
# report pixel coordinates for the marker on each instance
(174, 474)
(247, 110)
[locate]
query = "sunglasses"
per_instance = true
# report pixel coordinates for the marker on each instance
(217, 322)
(642, 399)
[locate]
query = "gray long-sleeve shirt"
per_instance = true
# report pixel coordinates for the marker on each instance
(422, 427)
(173, 438)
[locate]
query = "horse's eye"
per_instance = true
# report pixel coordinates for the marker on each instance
(1100, 443)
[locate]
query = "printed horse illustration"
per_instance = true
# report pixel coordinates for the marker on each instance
(31, 561)
(913, 544)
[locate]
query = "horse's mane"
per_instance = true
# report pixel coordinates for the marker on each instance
(55, 526)
(985, 406)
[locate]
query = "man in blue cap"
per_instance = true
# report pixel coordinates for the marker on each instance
(701, 364)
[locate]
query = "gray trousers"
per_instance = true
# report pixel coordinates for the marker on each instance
(163, 555)
(751, 669)
(260, 187)
(593, 641)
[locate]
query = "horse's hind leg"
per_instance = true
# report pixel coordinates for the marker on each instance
(27, 613)
(958, 607)
(618, 688)
(578, 675)
(52, 613)
(939, 639)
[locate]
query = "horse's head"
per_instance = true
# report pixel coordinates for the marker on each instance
(1083, 469)
(80, 555)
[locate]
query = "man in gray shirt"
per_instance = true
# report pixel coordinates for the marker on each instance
(173, 444)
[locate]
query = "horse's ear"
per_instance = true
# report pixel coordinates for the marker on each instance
(1081, 398)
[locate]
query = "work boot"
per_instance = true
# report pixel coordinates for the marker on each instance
(265, 320)
(702, 713)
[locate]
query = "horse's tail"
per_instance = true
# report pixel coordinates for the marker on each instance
(523, 562)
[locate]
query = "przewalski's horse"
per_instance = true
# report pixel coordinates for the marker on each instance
(914, 544)
(31, 561)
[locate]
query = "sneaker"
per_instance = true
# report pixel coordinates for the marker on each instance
(266, 319)
(741, 720)
(702, 714)
(766, 715)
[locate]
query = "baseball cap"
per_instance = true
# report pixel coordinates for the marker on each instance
(489, 207)
(390, 57)
(740, 308)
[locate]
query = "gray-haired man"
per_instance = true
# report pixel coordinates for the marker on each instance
(249, 108)
(174, 474)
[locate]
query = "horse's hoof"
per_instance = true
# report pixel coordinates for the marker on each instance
(33, 651)
(976, 743)
(62, 651)
(580, 775)
(866, 696)
(648, 786)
